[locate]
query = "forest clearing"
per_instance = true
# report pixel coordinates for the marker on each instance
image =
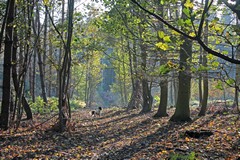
(120, 79)
(121, 135)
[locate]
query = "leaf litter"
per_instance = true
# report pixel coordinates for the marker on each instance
(124, 135)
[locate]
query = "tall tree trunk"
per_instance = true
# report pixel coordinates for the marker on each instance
(32, 68)
(237, 85)
(182, 112)
(15, 77)
(4, 122)
(237, 79)
(124, 81)
(87, 85)
(3, 26)
(38, 52)
(162, 108)
(32, 75)
(136, 96)
(205, 78)
(146, 90)
(65, 72)
(200, 79)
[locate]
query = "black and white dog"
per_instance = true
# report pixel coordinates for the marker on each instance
(96, 112)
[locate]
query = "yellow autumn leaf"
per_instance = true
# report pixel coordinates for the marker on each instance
(162, 46)
(46, 2)
(211, 124)
(161, 34)
(78, 155)
(192, 34)
(167, 39)
(187, 139)
(79, 147)
(164, 152)
(170, 63)
(188, 4)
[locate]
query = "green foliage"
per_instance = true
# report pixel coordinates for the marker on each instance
(164, 69)
(77, 104)
(219, 85)
(40, 107)
(53, 103)
(52, 106)
(157, 99)
(230, 81)
(177, 156)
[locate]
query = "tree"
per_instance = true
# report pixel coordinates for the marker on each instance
(162, 108)
(4, 118)
(36, 30)
(64, 69)
(182, 112)
(204, 100)
(63, 101)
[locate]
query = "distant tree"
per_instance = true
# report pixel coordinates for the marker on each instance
(37, 51)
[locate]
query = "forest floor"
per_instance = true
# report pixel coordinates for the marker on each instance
(122, 135)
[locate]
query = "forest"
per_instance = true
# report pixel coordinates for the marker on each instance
(120, 79)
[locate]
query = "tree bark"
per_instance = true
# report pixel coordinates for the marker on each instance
(4, 122)
(182, 112)
(15, 77)
(36, 30)
(65, 72)
(205, 78)
(147, 97)
(162, 108)
(146, 90)
(136, 97)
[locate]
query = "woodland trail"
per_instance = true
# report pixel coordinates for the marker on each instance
(121, 135)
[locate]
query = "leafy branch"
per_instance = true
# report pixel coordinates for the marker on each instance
(195, 38)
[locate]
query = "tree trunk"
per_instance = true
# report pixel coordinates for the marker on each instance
(146, 90)
(15, 77)
(3, 26)
(182, 112)
(162, 108)
(136, 97)
(200, 79)
(205, 78)
(4, 122)
(147, 97)
(65, 72)
(237, 79)
(125, 97)
(36, 30)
